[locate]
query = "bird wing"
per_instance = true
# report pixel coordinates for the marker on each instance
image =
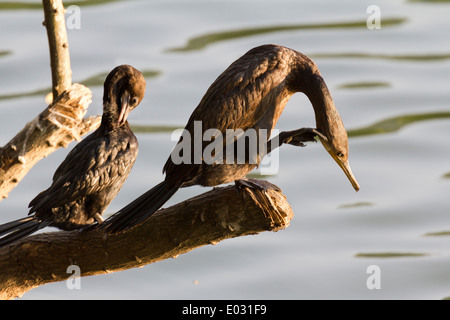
(234, 99)
(239, 97)
(95, 164)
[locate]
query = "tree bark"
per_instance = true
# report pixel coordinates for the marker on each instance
(207, 219)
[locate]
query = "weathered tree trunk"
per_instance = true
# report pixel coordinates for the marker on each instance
(207, 219)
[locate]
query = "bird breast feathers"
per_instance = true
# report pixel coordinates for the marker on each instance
(105, 168)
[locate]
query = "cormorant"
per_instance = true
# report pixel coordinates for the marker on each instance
(93, 172)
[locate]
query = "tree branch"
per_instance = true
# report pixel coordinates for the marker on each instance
(207, 219)
(58, 44)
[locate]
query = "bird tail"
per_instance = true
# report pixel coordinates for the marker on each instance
(14, 230)
(140, 209)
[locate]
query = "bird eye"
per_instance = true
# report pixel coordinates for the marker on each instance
(134, 101)
(340, 155)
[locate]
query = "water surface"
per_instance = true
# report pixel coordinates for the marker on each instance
(390, 85)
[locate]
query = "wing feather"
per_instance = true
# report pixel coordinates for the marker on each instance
(96, 163)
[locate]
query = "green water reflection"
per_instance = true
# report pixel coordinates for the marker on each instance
(396, 123)
(94, 81)
(356, 205)
(5, 53)
(430, 1)
(390, 254)
(437, 234)
(202, 41)
(362, 85)
(404, 57)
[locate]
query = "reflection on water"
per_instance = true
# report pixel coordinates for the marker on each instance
(412, 57)
(437, 234)
(94, 81)
(396, 123)
(430, 1)
(390, 255)
(4, 53)
(399, 220)
(20, 5)
(362, 85)
(356, 205)
(201, 42)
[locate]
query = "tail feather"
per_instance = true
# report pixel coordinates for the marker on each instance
(20, 228)
(11, 226)
(140, 209)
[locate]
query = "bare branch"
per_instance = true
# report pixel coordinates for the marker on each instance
(58, 44)
(207, 219)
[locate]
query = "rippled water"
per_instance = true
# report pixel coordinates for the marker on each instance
(390, 85)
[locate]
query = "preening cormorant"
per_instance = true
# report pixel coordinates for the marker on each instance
(93, 172)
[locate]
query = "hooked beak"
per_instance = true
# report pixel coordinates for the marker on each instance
(124, 108)
(346, 168)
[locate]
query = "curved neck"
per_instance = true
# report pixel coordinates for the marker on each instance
(111, 102)
(109, 117)
(327, 116)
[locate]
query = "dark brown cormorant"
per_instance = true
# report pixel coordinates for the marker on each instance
(250, 94)
(94, 170)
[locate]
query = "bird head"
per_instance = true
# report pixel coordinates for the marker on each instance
(336, 144)
(124, 89)
(328, 121)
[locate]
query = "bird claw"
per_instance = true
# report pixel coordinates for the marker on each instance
(300, 136)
